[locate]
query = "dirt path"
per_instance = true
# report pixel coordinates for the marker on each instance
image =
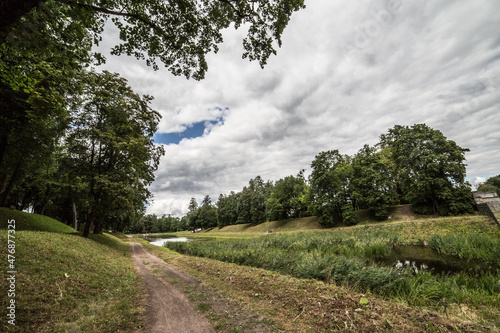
(167, 308)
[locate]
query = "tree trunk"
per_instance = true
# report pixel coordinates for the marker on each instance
(11, 11)
(4, 139)
(435, 205)
(74, 217)
(75, 221)
(117, 225)
(88, 224)
(98, 227)
(5, 193)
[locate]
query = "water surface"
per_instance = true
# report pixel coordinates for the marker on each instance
(162, 241)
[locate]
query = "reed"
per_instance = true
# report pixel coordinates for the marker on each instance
(471, 246)
(345, 258)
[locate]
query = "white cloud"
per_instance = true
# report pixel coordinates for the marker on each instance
(433, 62)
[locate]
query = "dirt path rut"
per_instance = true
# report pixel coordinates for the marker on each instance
(167, 309)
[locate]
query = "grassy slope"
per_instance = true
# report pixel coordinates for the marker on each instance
(34, 222)
(66, 283)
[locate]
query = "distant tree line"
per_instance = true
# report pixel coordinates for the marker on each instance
(416, 165)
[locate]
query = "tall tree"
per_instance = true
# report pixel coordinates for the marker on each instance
(373, 187)
(40, 69)
(330, 188)
(208, 213)
(227, 209)
(287, 198)
(251, 203)
(31, 123)
(431, 169)
(193, 220)
(178, 33)
(110, 144)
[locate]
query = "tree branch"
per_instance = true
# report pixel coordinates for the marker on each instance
(111, 12)
(240, 14)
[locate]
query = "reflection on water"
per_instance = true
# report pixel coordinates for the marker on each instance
(425, 258)
(162, 241)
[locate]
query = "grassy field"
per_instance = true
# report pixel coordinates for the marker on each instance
(66, 283)
(301, 277)
(343, 256)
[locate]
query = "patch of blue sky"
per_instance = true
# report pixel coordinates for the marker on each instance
(192, 131)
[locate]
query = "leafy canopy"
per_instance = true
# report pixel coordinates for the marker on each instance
(177, 33)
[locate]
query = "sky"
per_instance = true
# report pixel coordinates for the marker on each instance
(346, 73)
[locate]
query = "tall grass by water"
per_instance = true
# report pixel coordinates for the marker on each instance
(472, 246)
(345, 258)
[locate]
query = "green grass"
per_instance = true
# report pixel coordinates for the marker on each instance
(67, 283)
(469, 246)
(342, 256)
(36, 222)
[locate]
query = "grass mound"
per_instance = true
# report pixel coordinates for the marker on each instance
(35, 222)
(67, 283)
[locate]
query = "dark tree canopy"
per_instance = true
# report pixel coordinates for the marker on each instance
(177, 33)
(430, 169)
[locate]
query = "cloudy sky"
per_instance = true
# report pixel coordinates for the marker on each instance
(346, 73)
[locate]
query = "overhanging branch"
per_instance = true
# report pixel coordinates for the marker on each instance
(111, 12)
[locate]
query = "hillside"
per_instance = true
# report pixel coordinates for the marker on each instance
(396, 214)
(67, 283)
(33, 222)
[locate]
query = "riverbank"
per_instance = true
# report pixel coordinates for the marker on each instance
(345, 256)
(305, 305)
(68, 283)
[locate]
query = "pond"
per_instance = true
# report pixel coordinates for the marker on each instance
(425, 258)
(161, 241)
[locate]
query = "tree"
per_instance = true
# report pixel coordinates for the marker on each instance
(111, 149)
(251, 203)
(40, 70)
(330, 188)
(373, 188)
(287, 198)
(193, 221)
(431, 169)
(227, 209)
(492, 184)
(31, 124)
(208, 213)
(177, 33)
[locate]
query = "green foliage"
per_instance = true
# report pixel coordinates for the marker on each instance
(227, 209)
(251, 204)
(110, 150)
(330, 187)
(208, 213)
(430, 169)
(469, 247)
(373, 185)
(287, 199)
(492, 184)
(179, 34)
